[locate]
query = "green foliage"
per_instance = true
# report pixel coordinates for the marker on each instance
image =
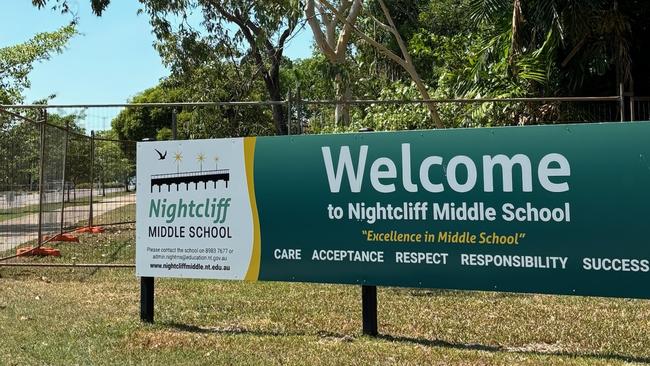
(408, 116)
(16, 62)
(20, 149)
(233, 51)
(78, 160)
(241, 32)
(378, 116)
(164, 134)
(314, 77)
(138, 123)
(552, 46)
(487, 11)
(18, 155)
(20, 140)
(98, 6)
(206, 83)
(111, 163)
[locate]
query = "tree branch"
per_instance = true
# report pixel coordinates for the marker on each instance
(398, 37)
(383, 25)
(363, 36)
(285, 35)
(406, 62)
(346, 32)
(255, 52)
(319, 37)
(329, 23)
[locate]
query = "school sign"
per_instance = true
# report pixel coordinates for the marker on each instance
(548, 209)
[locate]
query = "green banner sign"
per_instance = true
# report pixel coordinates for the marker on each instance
(548, 209)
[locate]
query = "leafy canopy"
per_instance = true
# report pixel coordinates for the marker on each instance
(16, 62)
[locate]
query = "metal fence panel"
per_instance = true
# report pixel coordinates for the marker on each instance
(19, 180)
(52, 192)
(640, 108)
(85, 180)
(77, 186)
(114, 182)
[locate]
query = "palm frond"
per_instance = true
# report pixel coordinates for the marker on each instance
(488, 10)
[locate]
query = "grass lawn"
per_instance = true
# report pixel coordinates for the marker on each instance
(9, 215)
(125, 213)
(86, 316)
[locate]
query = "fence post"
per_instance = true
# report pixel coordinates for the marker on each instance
(174, 124)
(41, 176)
(92, 176)
(632, 112)
(369, 299)
(621, 100)
(299, 109)
(65, 158)
(289, 113)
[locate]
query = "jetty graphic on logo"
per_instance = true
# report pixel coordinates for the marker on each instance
(179, 178)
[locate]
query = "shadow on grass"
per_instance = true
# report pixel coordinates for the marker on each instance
(417, 292)
(488, 348)
(234, 330)
(231, 330)
(110, 258)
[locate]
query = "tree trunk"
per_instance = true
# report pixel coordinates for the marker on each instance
(433, 109)
(406, 62)
(342, 111)
(334, 48)
(278, 117)
(272, 82)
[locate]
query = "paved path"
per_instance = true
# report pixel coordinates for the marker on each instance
(23, 229)
(10, 199)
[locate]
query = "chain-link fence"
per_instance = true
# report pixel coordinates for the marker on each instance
(639, 108)
(20, 142)
(56, 179)
(114, 182)
(77, 198)
(53, 162)
(381, 115)
(57, 175)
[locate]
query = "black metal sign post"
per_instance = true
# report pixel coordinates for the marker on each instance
(146, 299)
(369, 310)
(147, 284)
(147, 291)
(369, 299)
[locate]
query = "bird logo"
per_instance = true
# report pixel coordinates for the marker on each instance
(161, 155)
